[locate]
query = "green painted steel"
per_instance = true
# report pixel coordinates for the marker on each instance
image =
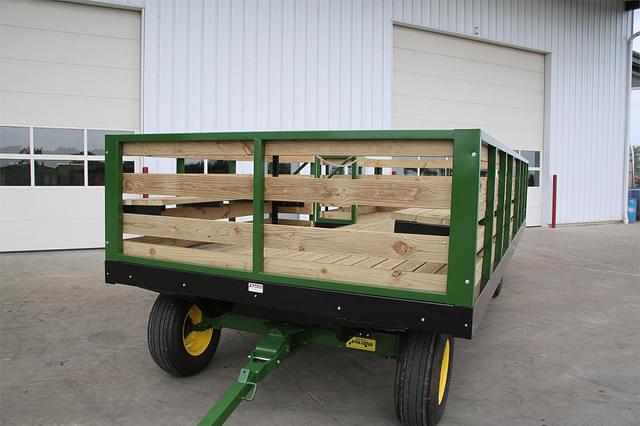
(465, 193)
(279, 341)
(506, 234)
(113, 196)
(179, 165)
(489, 214)
(258, 206)
(502, 180)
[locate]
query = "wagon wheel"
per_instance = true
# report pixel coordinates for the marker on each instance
(423, 373)
(178, 340)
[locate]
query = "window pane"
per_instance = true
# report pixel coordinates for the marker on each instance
(534, 178)
(128, 167)
(95, 140)
(217, 166)
(59, 173)
(58, 141)
(193, 166)
(14, 140)
(532, 156)
(14, 173)
(96, 171)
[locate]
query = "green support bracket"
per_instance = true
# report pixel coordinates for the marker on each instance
(258, 205)
(179, 165)
(500, 209)
(316, 171)
(489, 214)
(507, 205)
(465, 193)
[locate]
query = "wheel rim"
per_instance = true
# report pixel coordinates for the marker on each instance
(195, 341)
(444, 372)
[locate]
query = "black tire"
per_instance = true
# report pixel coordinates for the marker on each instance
(418, 378)
(166, 333)
(498, 289)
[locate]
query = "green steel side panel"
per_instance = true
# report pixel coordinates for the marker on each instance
(465, 194)
(501, 204)
(258, 205)
(507, 206)
(488, 222)
(113, 196)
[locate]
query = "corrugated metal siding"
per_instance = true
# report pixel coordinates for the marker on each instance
(587, 41)
(276, 64)
(286, 64)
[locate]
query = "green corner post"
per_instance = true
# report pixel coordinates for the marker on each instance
(465, 193)
(113, 197)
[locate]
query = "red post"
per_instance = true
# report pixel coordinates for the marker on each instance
(553, 201)
(145, 170)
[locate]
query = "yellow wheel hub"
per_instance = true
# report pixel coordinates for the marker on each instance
(444, 371)
(195, 341)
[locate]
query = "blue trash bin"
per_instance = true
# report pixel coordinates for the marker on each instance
(632, 209)
(635, 194)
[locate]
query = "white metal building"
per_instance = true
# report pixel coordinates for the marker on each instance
(548, 77)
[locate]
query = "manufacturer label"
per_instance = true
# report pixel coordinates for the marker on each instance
(256, 288)
(362, 343)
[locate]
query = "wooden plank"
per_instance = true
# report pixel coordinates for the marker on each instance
(428, 148)
(427, 216)
(367, 276)
(219, 187)
(389, 264)
(385, 244)
(434, 192)
(228, 150)
(165, 241)
(187, 255)
(351, 260)
(211, 213)
(410, 265)
(181, 228)
(336, 214)
(166, 201)
(414, 164)
(335, 257)
(430, 267)
(370, 262)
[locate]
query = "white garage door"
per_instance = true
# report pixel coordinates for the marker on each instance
(69, 73)
(442, 81)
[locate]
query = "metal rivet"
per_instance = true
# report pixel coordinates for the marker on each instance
(473, 154)
(467, 281)
(466, 325)
(106, 152)
(184, 284)
(106, 242)
(255, 296)
(107, 273)
(130, 276)
(422, 319)
(339, 308)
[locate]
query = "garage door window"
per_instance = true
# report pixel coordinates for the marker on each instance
(45, 156)
(534, 166)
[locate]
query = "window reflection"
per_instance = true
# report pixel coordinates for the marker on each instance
(534, 178)
(15, 173)
(193, 166)
(217, 166)
(14, 140)
(59, 173)
(58, 141)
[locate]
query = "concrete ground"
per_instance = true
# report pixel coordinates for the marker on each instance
(560, 346)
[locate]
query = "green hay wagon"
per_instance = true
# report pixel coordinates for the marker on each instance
(386, 242)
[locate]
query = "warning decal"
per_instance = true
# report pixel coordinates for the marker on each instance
(362, 343)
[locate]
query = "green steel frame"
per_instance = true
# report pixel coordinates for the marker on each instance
(465, 198)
